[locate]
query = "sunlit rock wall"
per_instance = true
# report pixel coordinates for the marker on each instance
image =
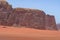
(31, 18)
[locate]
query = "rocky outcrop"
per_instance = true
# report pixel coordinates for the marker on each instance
(31, 18)
(50, 22)
(28, 17)
(58, 26)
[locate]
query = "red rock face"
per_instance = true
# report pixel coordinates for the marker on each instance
(58, 26)
(31, 18)
(50, 22)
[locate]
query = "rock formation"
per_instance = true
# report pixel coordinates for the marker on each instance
(58, 26)
(31, 18)
(2, 0)
(50, 22)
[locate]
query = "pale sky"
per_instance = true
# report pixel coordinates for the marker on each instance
(51, 7)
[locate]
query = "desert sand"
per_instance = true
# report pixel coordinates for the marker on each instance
(14, 33)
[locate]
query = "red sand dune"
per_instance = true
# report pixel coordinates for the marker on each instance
(13, 33)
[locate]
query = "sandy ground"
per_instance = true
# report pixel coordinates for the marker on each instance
(13, 33)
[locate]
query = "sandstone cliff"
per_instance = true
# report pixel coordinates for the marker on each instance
(31, 18)
(58, 26)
